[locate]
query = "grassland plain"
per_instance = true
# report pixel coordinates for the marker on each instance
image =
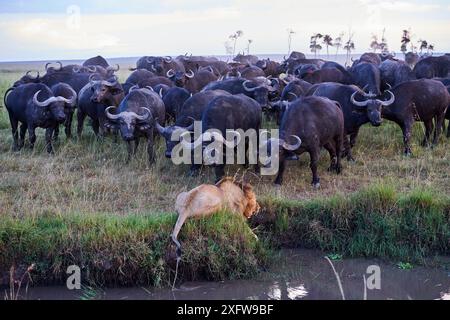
(84, 205)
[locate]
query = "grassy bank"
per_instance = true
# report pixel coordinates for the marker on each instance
(135, 249)
(128, 250)
(375, 222)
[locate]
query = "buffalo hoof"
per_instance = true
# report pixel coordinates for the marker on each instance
(278, 189)
(316, 185)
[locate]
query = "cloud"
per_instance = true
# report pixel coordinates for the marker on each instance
(203, 28)
(401, 6)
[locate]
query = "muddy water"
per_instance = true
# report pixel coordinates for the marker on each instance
(298, 274)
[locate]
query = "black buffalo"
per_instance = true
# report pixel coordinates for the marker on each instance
(174, 99)
(35, 106)
(227, 112)
(357, 109)
(66, 91)
(136, 117)
(191, 110)
(433, 67)
(418, 100)
(93, 99)
(96, 61)
(309, 124)
(258, 88)
(394, 72)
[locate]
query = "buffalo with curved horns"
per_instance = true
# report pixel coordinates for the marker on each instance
(35, 106)
(136, 118)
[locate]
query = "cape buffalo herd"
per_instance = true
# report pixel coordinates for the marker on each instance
(316, 104)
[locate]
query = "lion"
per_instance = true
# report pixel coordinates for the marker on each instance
(206, 199)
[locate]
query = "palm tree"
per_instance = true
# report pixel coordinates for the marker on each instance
(249, 42)
(383, 44)
(349, 46)
(314, 46)
(374, 45)
(423, 45)
(338, 42)
(291, 32)
(234, 37)
(406, 39)
(328, 42)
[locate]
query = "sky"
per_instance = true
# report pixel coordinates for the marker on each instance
(77, 29)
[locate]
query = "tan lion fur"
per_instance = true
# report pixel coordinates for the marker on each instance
(206, 199)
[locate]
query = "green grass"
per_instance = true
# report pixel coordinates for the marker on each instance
(374, 222)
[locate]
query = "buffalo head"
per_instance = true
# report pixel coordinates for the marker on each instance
(56, 105)
(372, 106)
(128, 121)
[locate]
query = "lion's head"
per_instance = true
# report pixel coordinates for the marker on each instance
(248, 204)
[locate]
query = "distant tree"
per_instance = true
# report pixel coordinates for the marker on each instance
(349, 46)
(383, 44)
(314, 46)
(328, 42)
(234, 37)
(406, 39)
(430, 49)
(374, 45)
(249, 42)
(229, 48)
(423, 45)
(291, 33)
(338, 42)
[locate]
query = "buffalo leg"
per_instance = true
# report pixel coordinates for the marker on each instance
(338, 148)
(347, 152)
(406, 129)
(95, 127)
(68, 125)
(194, 170)
(15, 134)
(219, 171)
(314, 155)
(48, 139)
(80, 122)
(23, 130)
(150, 148)
(448, 130)
(129, 150)
(136, 145)
(440, 119)
(353, 137)
(56, 133)
(333, 158)
(428, 130)
(32, 135)
(282, 167)
(101, 127)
